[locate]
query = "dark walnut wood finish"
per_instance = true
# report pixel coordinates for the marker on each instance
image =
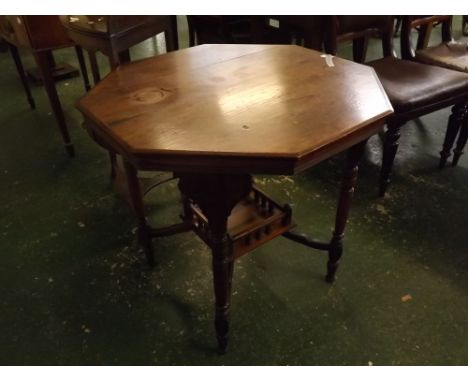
(42, 35)
(215, 114)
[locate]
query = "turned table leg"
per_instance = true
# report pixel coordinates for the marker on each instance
(223, 265)
(43, 63)
(136, 199)
(344, 204)
(216, 195)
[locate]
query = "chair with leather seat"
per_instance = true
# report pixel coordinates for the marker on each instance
(413, 88)
(448, 54)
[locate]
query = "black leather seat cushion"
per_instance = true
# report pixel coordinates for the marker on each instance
(451, 55)
(410, 85)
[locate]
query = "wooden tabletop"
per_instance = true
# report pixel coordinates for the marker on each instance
(274, 109)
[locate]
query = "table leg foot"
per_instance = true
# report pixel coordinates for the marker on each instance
(335, 250)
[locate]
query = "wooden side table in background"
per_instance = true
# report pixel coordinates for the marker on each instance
(41, 35)
(113, 36)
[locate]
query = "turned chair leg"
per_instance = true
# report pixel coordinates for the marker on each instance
(461, 142)
(391, 142)
(454, 123)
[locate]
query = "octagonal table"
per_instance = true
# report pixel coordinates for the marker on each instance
(216, 114)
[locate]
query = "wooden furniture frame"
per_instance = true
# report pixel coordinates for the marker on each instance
(216, 114)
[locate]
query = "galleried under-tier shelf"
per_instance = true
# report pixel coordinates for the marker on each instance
(254, 221)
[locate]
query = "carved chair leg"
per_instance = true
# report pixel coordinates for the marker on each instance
(390, 148)
(83, 69)
(344, 204)
(43, 60)
(22, 74)
(136, 197)
(461, 142)
(453, 127)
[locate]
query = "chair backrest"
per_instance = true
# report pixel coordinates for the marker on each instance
(424, 26)
(214, 29)
(358, 29)
(277, 29)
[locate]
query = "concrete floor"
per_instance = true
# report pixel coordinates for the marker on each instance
(75, 288)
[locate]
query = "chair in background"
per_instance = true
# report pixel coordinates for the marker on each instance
(414, 89)
(214, 29)
(274, 29)
(448, 54)
(41, 35)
